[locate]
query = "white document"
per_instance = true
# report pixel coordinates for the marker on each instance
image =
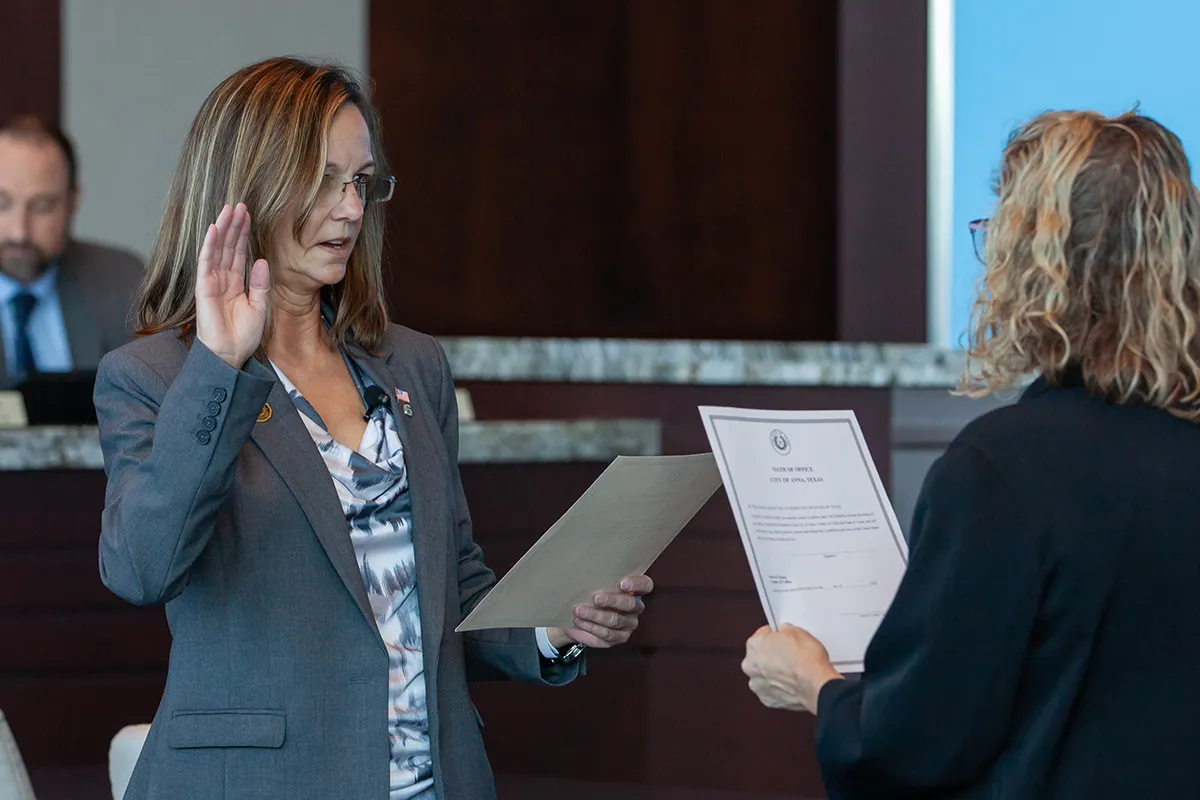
(823, 542)
(617, 528)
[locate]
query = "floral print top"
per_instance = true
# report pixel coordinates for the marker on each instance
(372, 484)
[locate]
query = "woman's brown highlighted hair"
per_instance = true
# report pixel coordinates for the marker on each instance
(260, 139)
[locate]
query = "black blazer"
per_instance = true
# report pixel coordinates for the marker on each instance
(1045, 641)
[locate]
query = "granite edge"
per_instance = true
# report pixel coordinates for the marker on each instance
(704, 362)
(480, 442)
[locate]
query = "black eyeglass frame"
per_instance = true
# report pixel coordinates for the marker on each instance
(364, 184)
(978, 228)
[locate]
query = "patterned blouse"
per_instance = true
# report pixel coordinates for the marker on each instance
(372, 484)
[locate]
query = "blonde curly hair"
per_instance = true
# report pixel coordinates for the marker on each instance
(1092, 263)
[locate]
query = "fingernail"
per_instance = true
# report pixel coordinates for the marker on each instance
(601, 599)
(581, 612)
(627, 585)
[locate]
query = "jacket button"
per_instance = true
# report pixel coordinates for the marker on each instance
(213, 408)
(209, 423)
(203, 437)
(220, 394)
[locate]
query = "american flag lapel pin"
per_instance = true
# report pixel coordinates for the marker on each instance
(405, 403)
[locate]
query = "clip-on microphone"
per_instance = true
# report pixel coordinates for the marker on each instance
(374, 398)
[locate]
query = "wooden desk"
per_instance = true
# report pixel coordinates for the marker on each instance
(669, 712)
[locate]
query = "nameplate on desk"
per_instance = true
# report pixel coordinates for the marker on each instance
(12, 410)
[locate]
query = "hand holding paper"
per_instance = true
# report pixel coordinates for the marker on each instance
(610, 618)
(787, 668)
(822, 540)
(616, 529)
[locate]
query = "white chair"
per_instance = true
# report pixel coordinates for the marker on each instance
(14, 779)
(123, 754)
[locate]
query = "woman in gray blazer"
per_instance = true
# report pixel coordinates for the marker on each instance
(282, 474)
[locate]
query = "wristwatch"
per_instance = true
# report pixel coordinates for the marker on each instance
(570, 654)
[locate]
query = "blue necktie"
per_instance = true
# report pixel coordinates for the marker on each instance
(23, 304)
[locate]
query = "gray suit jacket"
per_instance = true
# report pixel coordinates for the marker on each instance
(278, 680)
(96, 288)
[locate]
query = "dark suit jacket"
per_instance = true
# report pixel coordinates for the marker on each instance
(96, 288)
(1045, 640)
(277, 687)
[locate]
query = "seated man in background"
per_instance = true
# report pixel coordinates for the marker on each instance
(63, 303)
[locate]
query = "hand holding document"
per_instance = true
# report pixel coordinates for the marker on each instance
(617, 528)
(823, 542)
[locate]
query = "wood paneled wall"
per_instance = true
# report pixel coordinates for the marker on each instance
(30, 58)
(650, 168)
(76, 662)
(882, 68)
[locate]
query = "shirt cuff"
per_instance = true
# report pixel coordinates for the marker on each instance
(547, 650)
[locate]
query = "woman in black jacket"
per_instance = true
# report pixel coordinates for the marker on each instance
(1045, 641)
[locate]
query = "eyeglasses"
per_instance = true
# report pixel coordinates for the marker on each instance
(370, 189)
(979, 229)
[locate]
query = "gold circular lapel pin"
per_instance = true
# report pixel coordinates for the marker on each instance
(265, 414)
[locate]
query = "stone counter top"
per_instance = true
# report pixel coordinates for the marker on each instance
(703, 362)
(480, 442)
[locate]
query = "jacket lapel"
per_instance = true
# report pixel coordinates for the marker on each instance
(425, 493)
(84, 336)
(286, 443)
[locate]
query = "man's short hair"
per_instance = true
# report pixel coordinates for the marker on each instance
(30, 127)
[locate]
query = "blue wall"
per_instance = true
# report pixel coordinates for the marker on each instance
(1017, 58)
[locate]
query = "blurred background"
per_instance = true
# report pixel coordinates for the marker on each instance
(609, 211)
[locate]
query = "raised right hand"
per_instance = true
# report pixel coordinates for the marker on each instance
(230, 321)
